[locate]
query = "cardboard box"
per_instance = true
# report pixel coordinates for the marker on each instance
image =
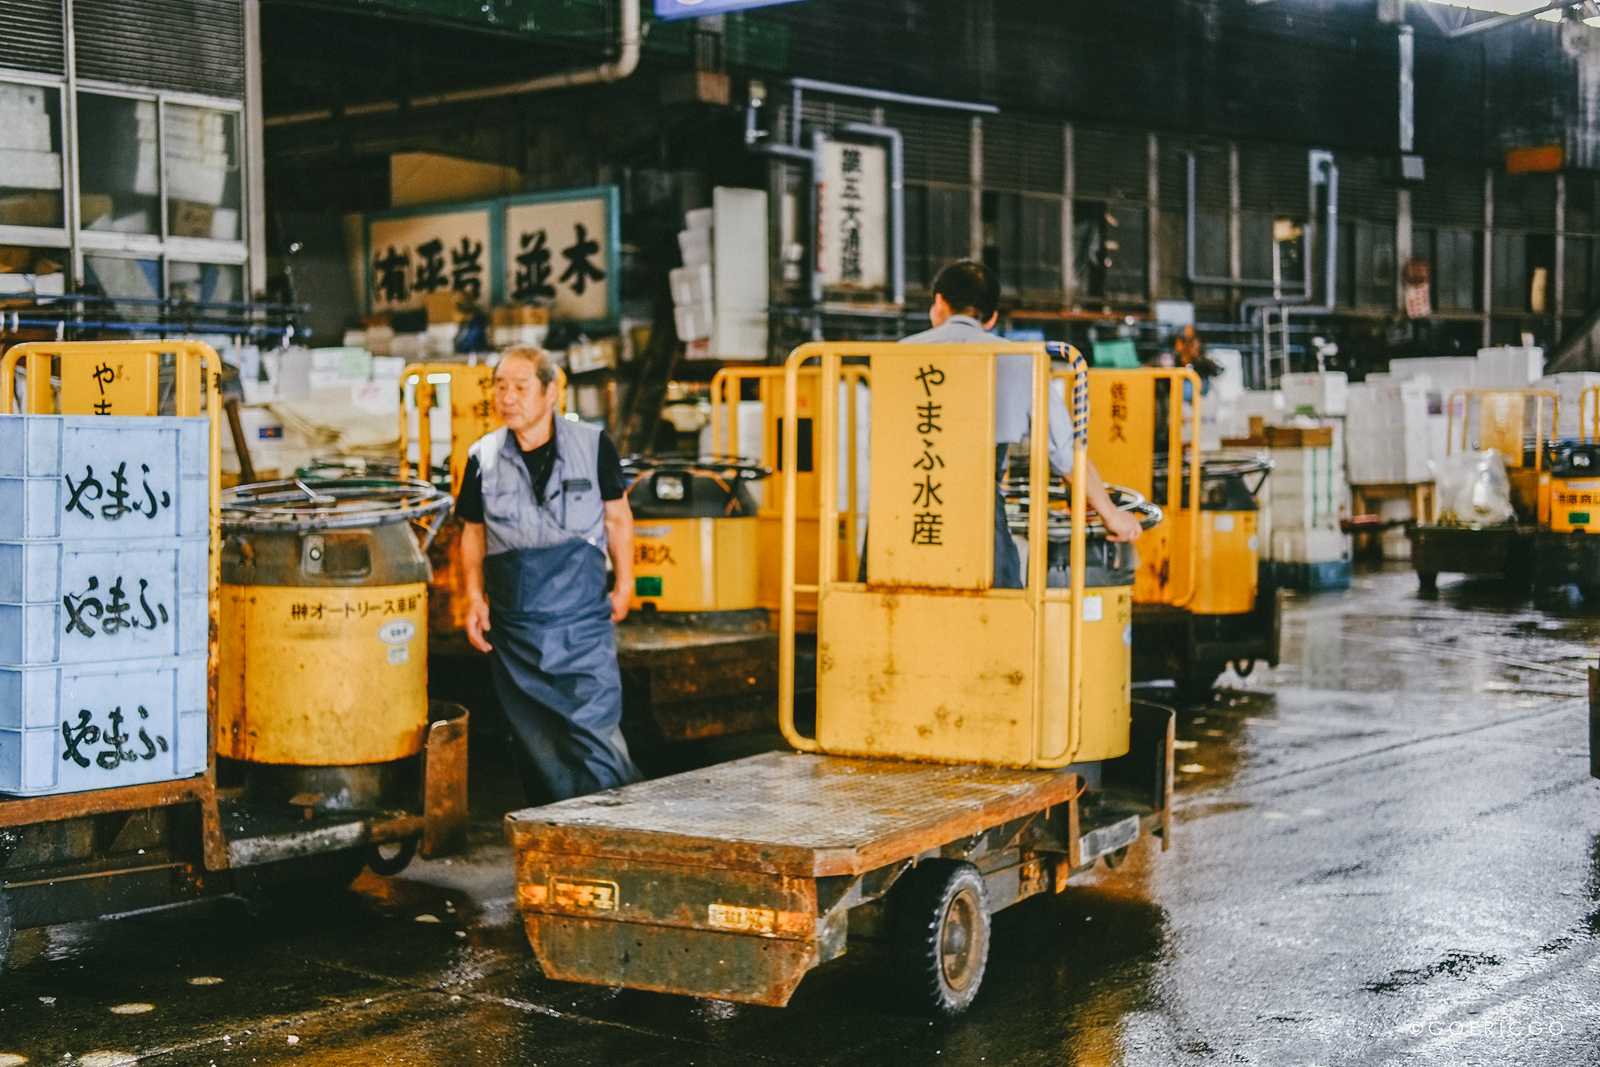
(191, 219)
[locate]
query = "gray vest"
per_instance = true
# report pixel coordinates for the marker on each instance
(572, 510)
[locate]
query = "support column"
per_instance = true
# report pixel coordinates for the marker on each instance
(1488, 251)
(1069, 225)
(1235, 226)
(1558, 284)
(1402, 244)
(254, 162)
(1153, 218)
(975, 176)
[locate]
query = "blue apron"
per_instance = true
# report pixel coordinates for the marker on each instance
(555, 667)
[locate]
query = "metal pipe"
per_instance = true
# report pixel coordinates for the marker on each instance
(819, 148)
(897, 199)
(1189, 255)
(616, 70)
(800, 84)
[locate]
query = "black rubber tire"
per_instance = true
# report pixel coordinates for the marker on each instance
(389, 866)
(1428, 583)
(940, 922)
(1114, 859)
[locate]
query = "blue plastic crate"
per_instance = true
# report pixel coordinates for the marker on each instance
(104, 477)
(67, 729)
(97, 602)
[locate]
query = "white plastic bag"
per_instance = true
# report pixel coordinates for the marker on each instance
(1472, 487)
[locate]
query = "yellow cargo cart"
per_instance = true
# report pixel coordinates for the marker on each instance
(1199, 603)
(959, 762)
(1517, 423)
(115, 692)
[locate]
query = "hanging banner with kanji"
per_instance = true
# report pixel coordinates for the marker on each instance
(560, 250)
(422, 254)
(853, 227)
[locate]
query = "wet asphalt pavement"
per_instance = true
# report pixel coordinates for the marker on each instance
(1387, 851)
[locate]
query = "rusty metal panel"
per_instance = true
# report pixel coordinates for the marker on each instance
(444, 785)
(791, 813)
(665, 894)
(888, 684)
(698, 963)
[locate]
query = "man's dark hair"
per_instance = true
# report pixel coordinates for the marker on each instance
(969, 288)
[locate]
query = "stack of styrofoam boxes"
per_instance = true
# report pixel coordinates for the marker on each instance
(1509, 368)
(1443, 377)
(1308, 550)
(104, 603)
(1574, 421)
(693, 293)
(27, 160)
(1386, 443)
(1309, 493)
(198, 163)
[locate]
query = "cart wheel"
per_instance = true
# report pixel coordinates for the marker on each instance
(1114, 859)
(1428, 583)
(941, 919)
(391, 857)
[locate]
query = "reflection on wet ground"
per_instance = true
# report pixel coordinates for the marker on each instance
(1388, 851)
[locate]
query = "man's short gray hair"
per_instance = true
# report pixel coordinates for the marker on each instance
(543, 365)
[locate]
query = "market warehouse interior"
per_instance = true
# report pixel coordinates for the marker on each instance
(798, 531)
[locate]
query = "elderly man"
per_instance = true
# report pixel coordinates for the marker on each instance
(543, 502)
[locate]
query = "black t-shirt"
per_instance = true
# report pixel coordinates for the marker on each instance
(540, 462)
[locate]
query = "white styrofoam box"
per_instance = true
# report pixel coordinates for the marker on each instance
(196, 180)
(1324, 392)
(739, 333)
(694, 322)
(1510, 367)
(290, 371)
(1386, 432)
(1233, 418)
(695, 245)
(104, 476)
(65, 729)
(1229, 384)
(29, 131)
(1446, 373)
(1309, 546)
(225, 224)
(387, 368)
(90, 602)
(27, 169)
(1570, 389)
(1309, 498)
(699, 220)
(691, 285)
(18, 98)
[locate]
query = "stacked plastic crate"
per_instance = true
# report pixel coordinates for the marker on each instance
(104, 601)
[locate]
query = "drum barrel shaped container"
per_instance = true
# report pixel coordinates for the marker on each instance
(323, 677)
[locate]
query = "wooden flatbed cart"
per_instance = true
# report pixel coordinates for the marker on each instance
(733, 882)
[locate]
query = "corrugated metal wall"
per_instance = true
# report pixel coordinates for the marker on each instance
(31, 35)
(183, 45)
(186, 45)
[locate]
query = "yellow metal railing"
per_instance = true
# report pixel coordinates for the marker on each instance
(1139, 472)
(827, 359)
(1507, 422)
